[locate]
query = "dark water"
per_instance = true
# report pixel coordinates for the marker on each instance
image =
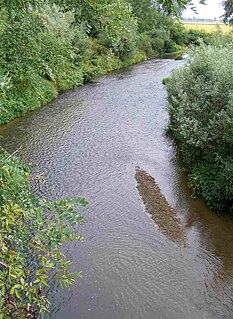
(89, 142)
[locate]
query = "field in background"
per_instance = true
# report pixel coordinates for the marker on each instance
(208, 27)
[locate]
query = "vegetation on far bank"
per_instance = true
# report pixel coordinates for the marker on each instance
(201, 109)
(47, 47)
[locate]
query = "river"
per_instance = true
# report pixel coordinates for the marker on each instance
(90, 142)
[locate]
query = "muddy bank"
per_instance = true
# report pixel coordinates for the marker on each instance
(159, 209)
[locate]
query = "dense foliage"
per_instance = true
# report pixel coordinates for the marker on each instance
(201, 107)
(31, 234)
(54, 45)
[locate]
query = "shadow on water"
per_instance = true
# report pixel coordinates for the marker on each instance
(88, 142)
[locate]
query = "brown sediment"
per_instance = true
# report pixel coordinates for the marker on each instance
(159, 209)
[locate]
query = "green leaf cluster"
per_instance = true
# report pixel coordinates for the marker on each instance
(32, 231)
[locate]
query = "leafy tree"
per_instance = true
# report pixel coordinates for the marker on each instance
(169, 6)
(118, 28)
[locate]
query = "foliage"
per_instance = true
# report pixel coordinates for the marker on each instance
(86, 6)
(118, 29)
(31, 235)
(45, 51)
(159, 33)
(196, 37)
(170, 7)
(48, 46)
(228, 15)
(176, 7)
(201, 107)
(37, 55)
(166, 81)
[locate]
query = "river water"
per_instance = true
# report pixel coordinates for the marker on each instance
(89, 142)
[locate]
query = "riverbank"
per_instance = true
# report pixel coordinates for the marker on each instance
(46, 49)
(100, 64)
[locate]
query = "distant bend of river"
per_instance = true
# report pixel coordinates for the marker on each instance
(89, 142)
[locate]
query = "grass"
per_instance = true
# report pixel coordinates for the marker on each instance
(210, 27)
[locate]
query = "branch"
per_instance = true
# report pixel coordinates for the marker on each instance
(3, 264)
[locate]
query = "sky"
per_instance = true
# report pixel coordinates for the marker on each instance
(212, 9)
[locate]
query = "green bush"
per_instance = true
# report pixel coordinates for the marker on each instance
(42, 52)
(201, 108)
(166, 81)
(217, 38)
(144, 43)
(32, 231)
(195, 37)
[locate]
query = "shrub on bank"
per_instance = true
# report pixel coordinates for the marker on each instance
(201, 108)
(32, 231)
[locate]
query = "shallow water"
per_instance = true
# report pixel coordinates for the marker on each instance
(89, 142)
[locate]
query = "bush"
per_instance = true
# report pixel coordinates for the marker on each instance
(145, 44)
(118, 32)
(196, 37)
(166, 81)
(201, 108)
(32, 231)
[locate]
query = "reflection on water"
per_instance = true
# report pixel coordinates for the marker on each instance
(88, 142)
(214, 230)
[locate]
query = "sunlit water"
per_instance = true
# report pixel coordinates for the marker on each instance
(89, 142)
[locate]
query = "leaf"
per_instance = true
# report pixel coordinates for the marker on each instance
(12, 291)
(17, 286)
(17, 294)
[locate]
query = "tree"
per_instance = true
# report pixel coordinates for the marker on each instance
(172, 7)
(228, 15)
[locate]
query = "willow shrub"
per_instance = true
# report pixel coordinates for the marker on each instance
(201, 108)
(32, 231)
